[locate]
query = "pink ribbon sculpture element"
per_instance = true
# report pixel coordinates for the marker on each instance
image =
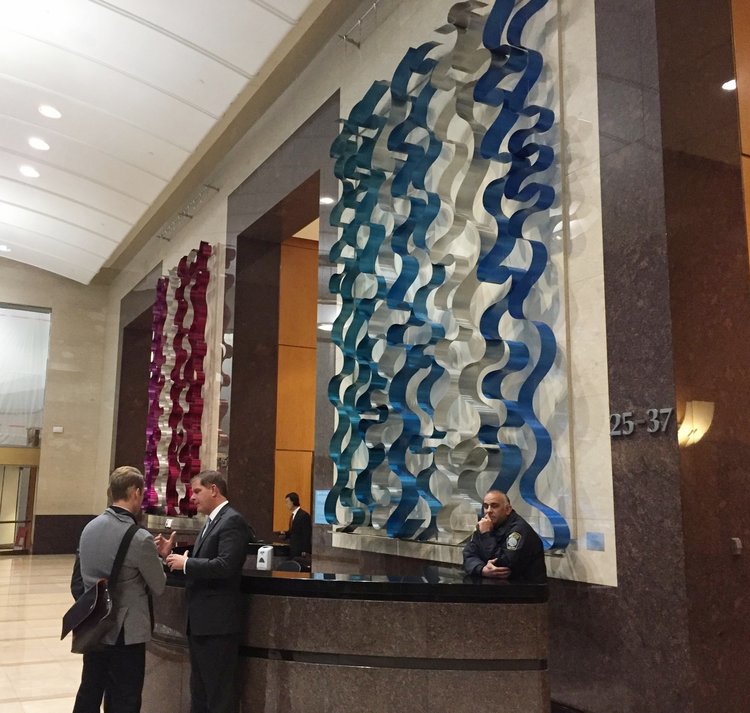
(155, 385)
(178, 385)
(194, 374)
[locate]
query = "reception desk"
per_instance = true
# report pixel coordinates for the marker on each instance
(324, 643)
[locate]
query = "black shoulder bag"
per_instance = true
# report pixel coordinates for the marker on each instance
(92, 617)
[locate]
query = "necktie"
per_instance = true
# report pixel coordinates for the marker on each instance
(205, 529)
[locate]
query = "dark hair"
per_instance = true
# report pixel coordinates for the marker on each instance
(122, 479)
(208, 478)
(294, 498)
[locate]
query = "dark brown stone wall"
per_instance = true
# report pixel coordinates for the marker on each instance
(711, 315)
(625, 649)
(673, 636)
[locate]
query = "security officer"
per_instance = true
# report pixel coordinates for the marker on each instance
(504, 545)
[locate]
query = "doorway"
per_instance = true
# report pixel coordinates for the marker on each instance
(17, 484)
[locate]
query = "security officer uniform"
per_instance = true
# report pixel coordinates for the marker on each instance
(513, 544)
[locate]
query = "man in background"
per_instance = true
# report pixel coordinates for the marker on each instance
(299, 533)
(214, 602)
(116, 672)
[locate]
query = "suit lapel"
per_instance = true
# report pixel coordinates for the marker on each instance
(199, 542)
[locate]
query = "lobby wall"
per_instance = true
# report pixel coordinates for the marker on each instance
(710, 306)
(711, 316)
(625, 649)
(69, 481)
(607, 643)
(673, 635)
(343, 68)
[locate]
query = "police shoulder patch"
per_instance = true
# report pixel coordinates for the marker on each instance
(513, 541)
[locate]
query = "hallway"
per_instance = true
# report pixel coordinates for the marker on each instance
(38, 674)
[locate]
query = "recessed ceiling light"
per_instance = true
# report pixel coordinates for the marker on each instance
(39, 144)
(4, 249)
(326, 200)
(325, 327)
(49, 111)
(729, 86)
(28, 171)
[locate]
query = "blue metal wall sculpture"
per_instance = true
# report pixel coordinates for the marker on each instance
(441, 169)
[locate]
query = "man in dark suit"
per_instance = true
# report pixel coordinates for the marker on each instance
(116, 672)
(214, 602)
(299, 533)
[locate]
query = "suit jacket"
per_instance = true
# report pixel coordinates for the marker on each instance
(212, 576)
(141, 573)
(300, 534)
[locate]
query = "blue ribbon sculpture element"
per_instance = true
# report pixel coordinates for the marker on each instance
(430, 379)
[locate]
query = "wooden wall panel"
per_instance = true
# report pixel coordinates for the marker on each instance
(298, 292)
(295, 394)
(746, 184)
(295, 412)
(741, 30)
(293, 473)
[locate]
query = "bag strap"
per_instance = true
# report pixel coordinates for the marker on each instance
(121, 552)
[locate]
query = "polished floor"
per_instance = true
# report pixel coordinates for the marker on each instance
(38, 674)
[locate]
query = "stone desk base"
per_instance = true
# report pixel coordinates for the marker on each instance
(331, 647)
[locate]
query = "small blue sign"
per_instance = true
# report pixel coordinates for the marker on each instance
(595, 541)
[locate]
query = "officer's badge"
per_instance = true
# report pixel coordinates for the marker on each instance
(514, 539)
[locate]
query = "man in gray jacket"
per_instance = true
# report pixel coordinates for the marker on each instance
(116, 672)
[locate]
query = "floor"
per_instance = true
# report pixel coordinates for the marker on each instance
(38, 674)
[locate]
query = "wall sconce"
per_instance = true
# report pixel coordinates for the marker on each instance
(695, 422)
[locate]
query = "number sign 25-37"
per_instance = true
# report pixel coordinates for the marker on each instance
(625, 423)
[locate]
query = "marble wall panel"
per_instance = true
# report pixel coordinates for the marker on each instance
(608, 643)
(711, 313)
(309, 688)
(58, 534)
(132, 401)
(441, 631)
(253, 397)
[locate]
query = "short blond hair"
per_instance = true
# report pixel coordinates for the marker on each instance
(122, 479)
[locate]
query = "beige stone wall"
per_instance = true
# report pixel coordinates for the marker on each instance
(70, 479)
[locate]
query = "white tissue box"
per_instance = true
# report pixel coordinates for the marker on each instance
(265, 557)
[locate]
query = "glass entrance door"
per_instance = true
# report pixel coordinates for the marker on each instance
(16, 501)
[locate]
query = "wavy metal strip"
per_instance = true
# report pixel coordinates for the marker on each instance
(151, 468)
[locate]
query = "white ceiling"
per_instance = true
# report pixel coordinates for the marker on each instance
(139, 84)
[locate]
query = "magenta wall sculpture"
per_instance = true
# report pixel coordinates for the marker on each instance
(178, 351)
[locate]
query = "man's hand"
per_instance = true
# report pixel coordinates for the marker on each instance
(163, 545)
(176, 562)
(490, 570)
(485, 525)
